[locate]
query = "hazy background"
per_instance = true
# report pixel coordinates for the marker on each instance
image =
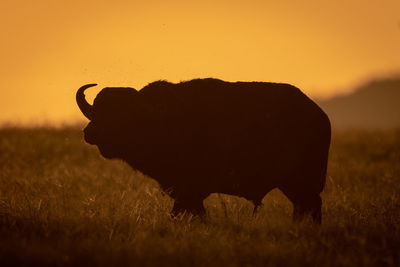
(62, 203)
(50, 48)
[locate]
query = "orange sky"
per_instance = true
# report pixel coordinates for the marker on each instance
(50, 48)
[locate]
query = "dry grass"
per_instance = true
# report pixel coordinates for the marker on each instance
(61, 203)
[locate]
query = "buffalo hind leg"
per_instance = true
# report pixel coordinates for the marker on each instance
(305, 204)
(311, 206)
(257, 206)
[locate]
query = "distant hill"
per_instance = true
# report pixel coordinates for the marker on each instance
(374, 106)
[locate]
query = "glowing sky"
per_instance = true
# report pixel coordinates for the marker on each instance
(50, 48)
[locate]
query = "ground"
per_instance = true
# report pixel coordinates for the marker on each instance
(61, 203)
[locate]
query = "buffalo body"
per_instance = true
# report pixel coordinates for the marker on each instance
(209, 136)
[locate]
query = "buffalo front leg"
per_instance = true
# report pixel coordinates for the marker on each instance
(193, 206)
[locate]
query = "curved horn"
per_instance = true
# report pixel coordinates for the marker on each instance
(83, 105)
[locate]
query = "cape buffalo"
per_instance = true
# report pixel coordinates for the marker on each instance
(210, 136)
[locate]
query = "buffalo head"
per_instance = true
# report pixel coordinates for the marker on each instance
(113, 116)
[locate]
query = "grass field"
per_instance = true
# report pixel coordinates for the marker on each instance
(61, 203)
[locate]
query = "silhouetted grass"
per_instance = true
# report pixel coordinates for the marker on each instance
(61, 203)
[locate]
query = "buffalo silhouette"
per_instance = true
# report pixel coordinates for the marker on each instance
(210, 136)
